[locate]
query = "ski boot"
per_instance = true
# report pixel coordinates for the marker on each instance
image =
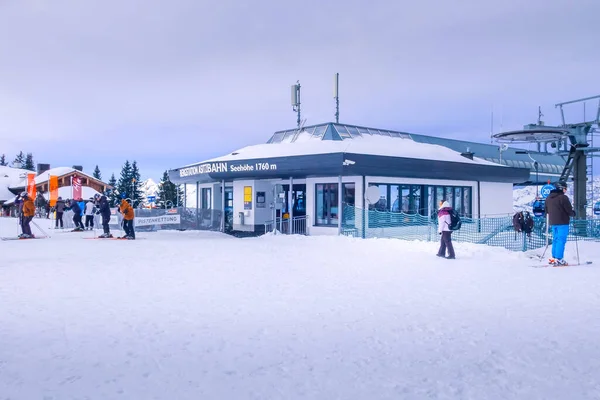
(560, 263)
(551, 261)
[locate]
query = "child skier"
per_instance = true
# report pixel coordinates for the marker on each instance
(26, 216)
(128, 215)
(104, 211)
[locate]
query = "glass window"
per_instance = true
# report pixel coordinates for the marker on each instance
(206, 199)
(277, 137)
(415, 199)
(467, 202)
(353, 131)
(458, 200)
(395, 199)
(439, 196)
(342, 131)
(326, 204)
(349, 193)
(320, 130)
(309, 130)
(363, 131)
(449, 194)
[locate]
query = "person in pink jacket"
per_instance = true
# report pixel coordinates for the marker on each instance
(444, 222)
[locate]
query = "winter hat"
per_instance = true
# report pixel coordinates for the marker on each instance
(123, 195)
(445, 204)
(560, 185)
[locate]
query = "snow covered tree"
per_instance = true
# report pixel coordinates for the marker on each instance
(137, 196)
(3, 160)
(124, 183)
(110, 194)
(29, 164)
(97, 173)
(167, 192)
(20, 159)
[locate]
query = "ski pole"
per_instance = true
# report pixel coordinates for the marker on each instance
(40, 229)
(577, 248)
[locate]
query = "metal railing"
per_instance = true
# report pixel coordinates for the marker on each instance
(297, 225)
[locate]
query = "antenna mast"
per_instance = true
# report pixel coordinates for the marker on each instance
(296, 100)
(336, 85)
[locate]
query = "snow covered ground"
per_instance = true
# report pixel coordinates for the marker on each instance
(193, 315)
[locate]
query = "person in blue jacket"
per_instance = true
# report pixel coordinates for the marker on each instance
(74, 206)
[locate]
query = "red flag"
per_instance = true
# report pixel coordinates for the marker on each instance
(76, 183)
(31, 189)
(53, 190)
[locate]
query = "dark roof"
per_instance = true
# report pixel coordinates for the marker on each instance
(550, 165)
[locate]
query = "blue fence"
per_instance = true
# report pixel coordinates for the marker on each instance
(493, 231)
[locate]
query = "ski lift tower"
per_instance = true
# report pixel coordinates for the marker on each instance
(575, 141)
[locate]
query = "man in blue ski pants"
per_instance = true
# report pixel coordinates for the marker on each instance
(559, 211)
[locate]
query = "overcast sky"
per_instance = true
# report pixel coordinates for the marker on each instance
(168, 83)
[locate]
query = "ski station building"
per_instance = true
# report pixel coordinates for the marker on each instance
(310, 176)
(14, 181)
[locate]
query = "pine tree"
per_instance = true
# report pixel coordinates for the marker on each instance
(29, 164)
(3, 160)
(124, 183)
(97, 173)
(110, 194)
(168, 192)
(20, 159)
(137, 196)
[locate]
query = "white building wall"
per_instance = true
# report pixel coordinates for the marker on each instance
(264, 214)
(238, 207)
(496, 198)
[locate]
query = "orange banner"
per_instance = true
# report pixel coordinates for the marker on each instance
(31, 190)
(53, 190)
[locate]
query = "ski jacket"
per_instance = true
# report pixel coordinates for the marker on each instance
(559, 208)
(444, 220)
(60, 206)
(104, 208)
(126, 210)
(28, 208)
(81, 205)
(90, 209)
(75, 208)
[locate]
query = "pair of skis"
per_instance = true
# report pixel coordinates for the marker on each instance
(547, 265)
(22, 238)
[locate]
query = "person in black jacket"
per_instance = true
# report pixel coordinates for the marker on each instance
(59, 208)
(104, 211)
(559, 210)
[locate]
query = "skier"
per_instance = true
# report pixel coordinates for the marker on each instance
(73, 206)
(444, 223)
(81, 205)
(104, 211)
(27, 215)
(90, 210)
(128, 215)
(60, 209)
(559, 210)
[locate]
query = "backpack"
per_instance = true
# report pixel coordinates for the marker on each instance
(455, 222)
(523, 222)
